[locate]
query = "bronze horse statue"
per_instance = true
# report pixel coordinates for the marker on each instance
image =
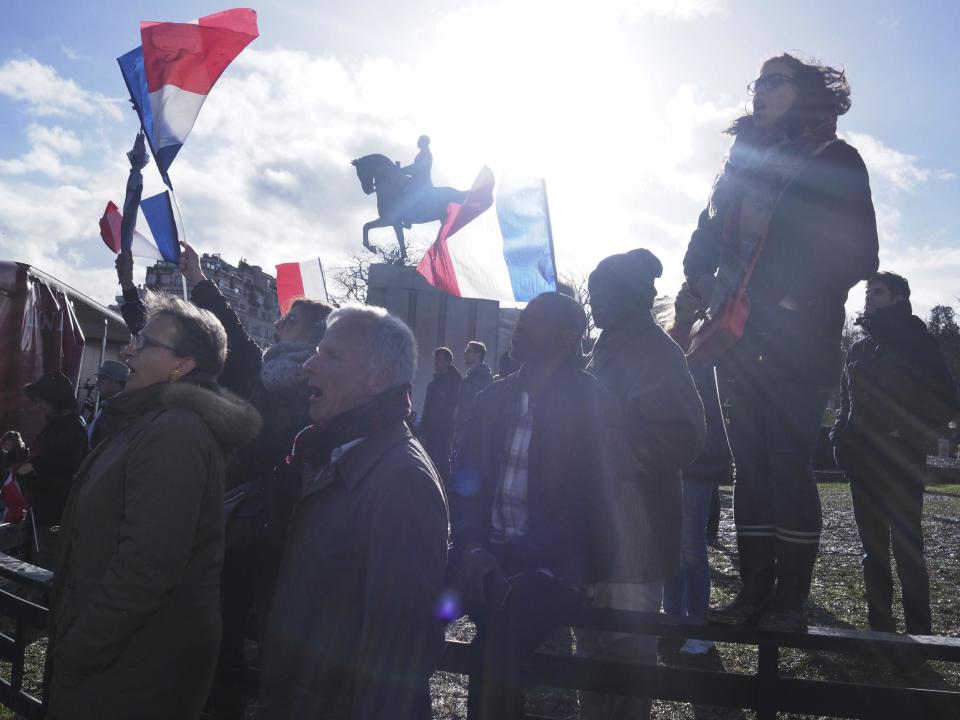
(398, 204)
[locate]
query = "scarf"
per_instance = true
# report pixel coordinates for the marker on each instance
(760, 166)
(283, 363)
(313, 445)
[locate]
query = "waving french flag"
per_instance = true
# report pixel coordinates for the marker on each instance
(496, 244)
(172, 72)
(159, 242)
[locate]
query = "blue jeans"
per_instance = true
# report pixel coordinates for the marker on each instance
(688, 592)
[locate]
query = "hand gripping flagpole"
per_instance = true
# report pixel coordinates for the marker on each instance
(131, 203)
(182, 234)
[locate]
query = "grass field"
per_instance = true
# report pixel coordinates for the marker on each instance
(836, 601)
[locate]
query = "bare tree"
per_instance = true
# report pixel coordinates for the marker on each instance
(575, 285)
(350, 281)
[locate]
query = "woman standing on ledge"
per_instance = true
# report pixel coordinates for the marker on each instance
(795, 199)
(134, 609)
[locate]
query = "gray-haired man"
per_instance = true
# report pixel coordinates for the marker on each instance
(352, 630)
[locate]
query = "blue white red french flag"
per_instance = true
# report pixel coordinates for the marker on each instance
(160, 242)
(496, 244)
(171, 74)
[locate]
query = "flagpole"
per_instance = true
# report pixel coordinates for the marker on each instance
(103, 352)
(553, 252)
(182, 233)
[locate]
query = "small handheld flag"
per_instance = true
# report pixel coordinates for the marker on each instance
(110, 225)
(158, 212)
(304, 279)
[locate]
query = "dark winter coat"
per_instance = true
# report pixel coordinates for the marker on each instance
(896, 384)
(134, 611)
(56, 454)
(242, 366)
(435, 430)
(821, 241)
(664, 428)
(476, 380)
(283, 400)
(353, 633)
(572, 466)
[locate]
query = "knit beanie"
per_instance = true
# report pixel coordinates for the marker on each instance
(632, 272)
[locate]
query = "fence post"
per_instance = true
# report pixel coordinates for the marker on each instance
(768, 671)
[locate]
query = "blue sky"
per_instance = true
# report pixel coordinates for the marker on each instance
(619, 104)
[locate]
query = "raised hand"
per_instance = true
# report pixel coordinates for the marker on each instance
(190, 265)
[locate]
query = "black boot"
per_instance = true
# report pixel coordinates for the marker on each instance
(756, 575)
(795, 563)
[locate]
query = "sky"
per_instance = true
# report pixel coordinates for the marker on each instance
(619, 104)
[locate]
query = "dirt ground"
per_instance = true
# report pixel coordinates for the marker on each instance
(836, 601)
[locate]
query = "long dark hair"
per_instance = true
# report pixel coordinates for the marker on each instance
(823, 95)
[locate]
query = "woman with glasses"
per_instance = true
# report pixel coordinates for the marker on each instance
(135, 602)
(794, 202)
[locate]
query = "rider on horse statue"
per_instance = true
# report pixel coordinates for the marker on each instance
(419, 172)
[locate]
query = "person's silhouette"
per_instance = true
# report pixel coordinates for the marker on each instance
(419, 174)
(419, 170)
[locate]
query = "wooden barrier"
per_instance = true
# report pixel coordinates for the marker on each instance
(765, 691)
(23, 598)
(23, 589)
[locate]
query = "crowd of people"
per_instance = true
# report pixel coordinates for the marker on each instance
(352, 534)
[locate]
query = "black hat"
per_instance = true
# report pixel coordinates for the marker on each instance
(54, 387)
(634, 271)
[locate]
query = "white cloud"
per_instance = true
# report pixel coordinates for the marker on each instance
(56, 138)
(47, 144)
(71, 54)
(47, 93)
(635, 10)
(281, 178)
(902, 170)
(931, 270)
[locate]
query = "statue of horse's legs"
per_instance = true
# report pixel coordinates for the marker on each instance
(366, 232)
(398, 229)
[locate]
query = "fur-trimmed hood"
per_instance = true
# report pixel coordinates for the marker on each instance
(233, 421)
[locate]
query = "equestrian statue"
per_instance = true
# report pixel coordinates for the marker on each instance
(405, 195)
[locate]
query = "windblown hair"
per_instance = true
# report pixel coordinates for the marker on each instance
(316, 314)
(199, 334)
(823, 95)
(390, 343)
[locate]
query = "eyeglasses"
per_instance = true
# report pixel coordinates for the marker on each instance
(138, 342)
(768, 82)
